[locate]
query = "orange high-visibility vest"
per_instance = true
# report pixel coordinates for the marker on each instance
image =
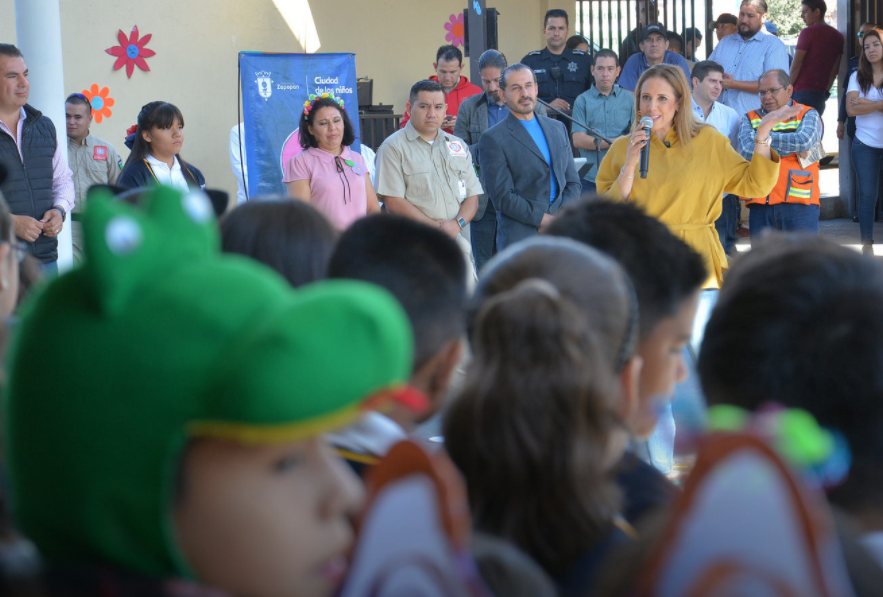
(796, 184)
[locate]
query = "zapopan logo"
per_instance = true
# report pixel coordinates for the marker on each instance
(265, 84)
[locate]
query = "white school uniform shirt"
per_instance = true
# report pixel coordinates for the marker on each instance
(172, 177)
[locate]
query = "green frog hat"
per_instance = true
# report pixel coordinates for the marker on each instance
(157, 339)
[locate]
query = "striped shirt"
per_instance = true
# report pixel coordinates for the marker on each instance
(784, 142)
(747, 60)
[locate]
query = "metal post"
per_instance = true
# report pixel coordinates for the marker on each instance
(845, 172)
(38, 33)
(477, 37)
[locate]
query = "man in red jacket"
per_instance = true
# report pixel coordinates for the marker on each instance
(448, 65)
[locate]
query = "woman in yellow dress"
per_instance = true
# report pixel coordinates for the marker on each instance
(691, 165)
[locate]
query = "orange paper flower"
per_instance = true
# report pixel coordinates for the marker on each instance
(100, 101)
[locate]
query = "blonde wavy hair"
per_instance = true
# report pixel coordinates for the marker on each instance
(686, 125)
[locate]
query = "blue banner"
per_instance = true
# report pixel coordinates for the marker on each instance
(274, 89)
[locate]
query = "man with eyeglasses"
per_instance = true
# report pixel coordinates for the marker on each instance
(39, 188)
(92, 161)
(793, 204)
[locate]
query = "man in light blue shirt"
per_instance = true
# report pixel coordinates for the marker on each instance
(654, 50)
(746, 55)
(707, 86)
(606, 107)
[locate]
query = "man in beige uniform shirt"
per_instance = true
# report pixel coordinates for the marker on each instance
(426, 174)
(92, 160)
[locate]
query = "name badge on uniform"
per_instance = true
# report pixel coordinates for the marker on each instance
(100, 153)
(456, 149)
(461, 185)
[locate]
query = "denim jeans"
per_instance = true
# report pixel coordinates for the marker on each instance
(588, 187)
(787, 217)
(813, 99)
(727, 222)
(867, 161)
(50, 270)
(483, 233)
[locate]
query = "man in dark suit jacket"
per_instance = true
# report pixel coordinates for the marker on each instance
(526, 162)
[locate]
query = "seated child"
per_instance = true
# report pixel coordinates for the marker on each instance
(667, 276)
(423, 268)
(179, 444)
(292, 237)
(799, 323)
(537, 426)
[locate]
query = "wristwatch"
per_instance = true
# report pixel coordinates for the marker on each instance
(462, 223)
(61, 209)
(767, 141)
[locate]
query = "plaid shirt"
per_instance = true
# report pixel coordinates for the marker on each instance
(803, 139)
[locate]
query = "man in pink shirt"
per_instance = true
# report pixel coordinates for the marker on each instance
(817, 58)
(448, 65)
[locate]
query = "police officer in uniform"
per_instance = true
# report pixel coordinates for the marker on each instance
(562, 74)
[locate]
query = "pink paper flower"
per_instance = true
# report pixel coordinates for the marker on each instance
(131, 51)
(455, 30)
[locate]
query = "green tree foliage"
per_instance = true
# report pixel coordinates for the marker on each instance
(786, 15)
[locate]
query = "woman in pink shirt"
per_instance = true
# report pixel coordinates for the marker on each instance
(327, 173)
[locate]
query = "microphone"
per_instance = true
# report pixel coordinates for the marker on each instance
(647, 123)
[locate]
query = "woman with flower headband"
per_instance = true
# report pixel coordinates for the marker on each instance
(328, 174)
(156, 143)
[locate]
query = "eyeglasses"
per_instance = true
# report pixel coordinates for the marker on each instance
(79, 95)
(772, 91)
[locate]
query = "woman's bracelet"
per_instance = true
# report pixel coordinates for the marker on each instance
(767, 141)
(622, 173)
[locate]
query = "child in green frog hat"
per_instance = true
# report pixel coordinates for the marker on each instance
(179, 445)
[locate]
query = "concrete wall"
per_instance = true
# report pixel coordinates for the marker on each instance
(197, 42)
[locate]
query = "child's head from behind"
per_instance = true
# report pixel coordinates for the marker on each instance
(593, 282)
(292, 237)
(800, 323)
(185, 435)
(667, 276)
(424, 269)
(536, 426)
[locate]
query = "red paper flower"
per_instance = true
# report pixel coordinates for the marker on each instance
(131, 51)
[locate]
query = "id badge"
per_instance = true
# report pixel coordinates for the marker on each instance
(462, 186)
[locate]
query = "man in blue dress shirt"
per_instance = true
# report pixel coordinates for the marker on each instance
(747, 54)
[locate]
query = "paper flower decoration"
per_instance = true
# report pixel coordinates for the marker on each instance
(101, 102)
(455, 30)
(131, 51)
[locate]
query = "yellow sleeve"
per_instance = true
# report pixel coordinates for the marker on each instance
(748, 179)
(607, 179)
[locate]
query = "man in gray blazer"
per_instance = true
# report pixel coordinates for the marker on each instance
(477, 114)
(527, 164)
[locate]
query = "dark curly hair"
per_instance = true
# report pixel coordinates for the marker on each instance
(307, 139)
